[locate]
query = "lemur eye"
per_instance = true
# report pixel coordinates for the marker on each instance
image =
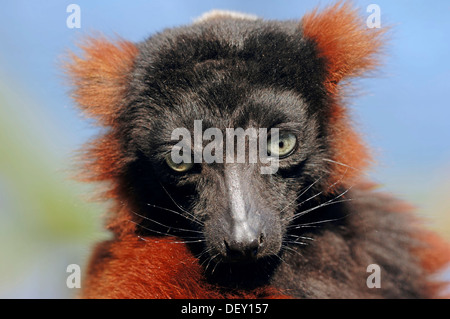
(181, 167)
(283, 147)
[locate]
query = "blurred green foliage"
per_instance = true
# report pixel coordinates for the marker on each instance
(45, 221)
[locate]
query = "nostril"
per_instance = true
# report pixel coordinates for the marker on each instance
(261, 239)
(234, 249)
(227, 247)
(252, 248)
(241, 250)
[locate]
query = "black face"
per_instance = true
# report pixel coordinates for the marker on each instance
(238, 74)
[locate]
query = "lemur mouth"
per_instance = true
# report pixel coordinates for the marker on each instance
(248, 272)
(240, 253)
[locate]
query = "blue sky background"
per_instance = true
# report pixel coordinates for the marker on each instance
(404, 113)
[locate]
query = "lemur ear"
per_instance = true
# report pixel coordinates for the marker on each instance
(343, 39)
(349, 49)
(99, 76)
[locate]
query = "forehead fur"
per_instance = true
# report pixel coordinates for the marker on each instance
(243, 53)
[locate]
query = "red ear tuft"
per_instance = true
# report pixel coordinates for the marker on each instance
(349, 49)
(99, 76)
(344, 40)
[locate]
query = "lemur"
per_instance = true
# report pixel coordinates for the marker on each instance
(221, 229)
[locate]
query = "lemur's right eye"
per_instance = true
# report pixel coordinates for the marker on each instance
(178, 167)
(283, 147)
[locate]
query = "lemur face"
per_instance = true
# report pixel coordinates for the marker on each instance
(244, 211)
(202, 77)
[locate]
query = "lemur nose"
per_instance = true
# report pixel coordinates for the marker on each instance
(245, 249)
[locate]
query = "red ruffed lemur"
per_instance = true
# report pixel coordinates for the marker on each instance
(223, 229)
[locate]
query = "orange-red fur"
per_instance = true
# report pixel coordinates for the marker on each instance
(100, 77)
(349, 49)
(155, 268)
(434, 256)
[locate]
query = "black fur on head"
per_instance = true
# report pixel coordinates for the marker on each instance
(229, 74)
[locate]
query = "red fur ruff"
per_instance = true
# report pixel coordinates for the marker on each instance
(155, 268)
(434, 257)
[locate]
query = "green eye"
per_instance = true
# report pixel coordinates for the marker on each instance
(283, 147)
(181, 167)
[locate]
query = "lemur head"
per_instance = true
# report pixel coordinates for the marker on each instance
(225, 71)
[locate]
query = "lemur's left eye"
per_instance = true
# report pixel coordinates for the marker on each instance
(283, 147)
(181, 167)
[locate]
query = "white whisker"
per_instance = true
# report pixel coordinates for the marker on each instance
(303, 191)
(327, 203)
(285, 247)
(179, 207)
(168, 227)
(160, 233)
(300, 237)
(339, 163)
(295, 242)
(175, 212)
